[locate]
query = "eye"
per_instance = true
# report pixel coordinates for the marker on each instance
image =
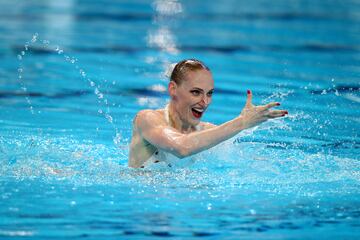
(209, 94)
(195, 92)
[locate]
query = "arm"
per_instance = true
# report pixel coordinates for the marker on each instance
(156, 131)
(207, 125)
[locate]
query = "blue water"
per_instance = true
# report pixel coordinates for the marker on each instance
(74, 73)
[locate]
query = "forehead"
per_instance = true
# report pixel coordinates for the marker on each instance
(200, 78)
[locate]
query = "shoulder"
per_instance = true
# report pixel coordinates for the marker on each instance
(148, 117)
(147, 113)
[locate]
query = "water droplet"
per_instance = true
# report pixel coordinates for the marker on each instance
(82, 73)
(92, 83)
(34, 38)
(26, 47)
(20, 70)
(117, 139)
(100, 96)
(19, 57)
(22, 53)
(60, 51)
(109, 118)
(100, 111)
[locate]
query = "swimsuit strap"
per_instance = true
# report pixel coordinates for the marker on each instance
(167, 114)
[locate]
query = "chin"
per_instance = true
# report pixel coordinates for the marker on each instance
(195, 122)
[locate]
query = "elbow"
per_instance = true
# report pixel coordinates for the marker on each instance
(181, 152)
(181, 148)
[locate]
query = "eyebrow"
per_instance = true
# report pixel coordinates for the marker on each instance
(199, 89)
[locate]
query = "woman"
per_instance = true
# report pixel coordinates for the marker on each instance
(160, 136)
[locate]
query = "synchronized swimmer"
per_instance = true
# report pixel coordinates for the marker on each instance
(175, 132)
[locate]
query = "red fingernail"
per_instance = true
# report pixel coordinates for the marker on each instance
(248, 91)
(277, 104)
(286, 112)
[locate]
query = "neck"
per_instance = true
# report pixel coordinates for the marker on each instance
(176, 122)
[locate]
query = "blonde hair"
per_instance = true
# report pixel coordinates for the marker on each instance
(181, 68)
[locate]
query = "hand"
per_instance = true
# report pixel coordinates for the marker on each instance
(254, 115)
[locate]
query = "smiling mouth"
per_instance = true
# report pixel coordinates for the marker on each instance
(197, 112)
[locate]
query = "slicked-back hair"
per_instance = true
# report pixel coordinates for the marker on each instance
(178, 75)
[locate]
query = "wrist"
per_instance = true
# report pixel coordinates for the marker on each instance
(242, 123)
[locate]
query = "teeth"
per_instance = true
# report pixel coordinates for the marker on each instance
(199, 109)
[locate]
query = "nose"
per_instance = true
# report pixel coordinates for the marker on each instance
(205, 100)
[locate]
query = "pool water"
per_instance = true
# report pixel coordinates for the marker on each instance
(74, 73)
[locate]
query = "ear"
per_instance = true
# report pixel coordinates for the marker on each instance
(172, 86)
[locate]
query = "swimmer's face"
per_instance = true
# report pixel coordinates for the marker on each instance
(193, 95)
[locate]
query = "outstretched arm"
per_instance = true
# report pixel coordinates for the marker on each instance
(164, 137)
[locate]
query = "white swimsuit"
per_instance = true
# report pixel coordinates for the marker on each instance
(162, 158)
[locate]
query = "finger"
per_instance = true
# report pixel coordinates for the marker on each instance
(277, 113)
(249, 98)
(269, 105)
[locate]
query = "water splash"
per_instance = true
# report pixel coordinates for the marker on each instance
(278, 96)
(161, 36)
(20, 70)
(104, 110)
(249, 165)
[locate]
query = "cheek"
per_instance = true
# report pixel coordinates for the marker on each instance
(188, 98)
(194, 99)
(180, 97)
